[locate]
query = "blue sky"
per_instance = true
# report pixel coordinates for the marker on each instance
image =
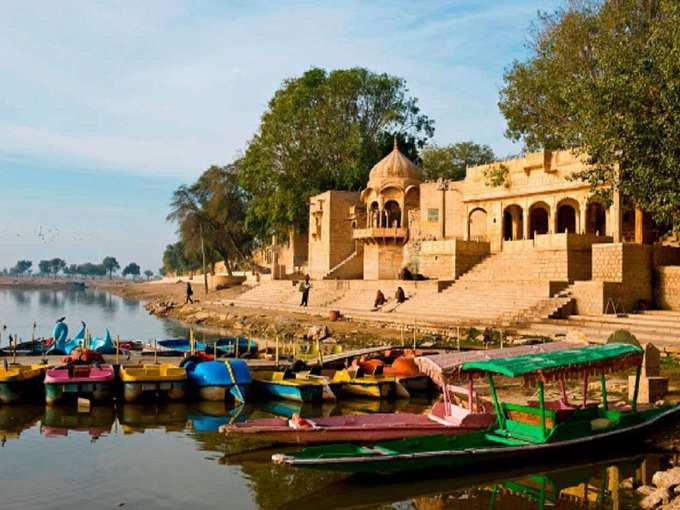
(105, 107)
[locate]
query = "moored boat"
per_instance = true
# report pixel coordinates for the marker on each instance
(355, 383)
(404, 369)
(526, 433)
(20, 383)
(287, 386)
(162, 380)
(219, 380)
(71, 381)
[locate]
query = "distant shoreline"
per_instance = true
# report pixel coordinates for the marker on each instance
(9, 282)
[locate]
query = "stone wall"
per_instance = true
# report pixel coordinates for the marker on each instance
(668, 287)
(383, 261)
(448, 259)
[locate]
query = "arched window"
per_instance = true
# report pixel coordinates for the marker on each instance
(513, 223)
(477, 222)
(393, 214)
(539, 219)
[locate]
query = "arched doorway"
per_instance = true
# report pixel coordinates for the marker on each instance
(567, 212)
(513, 223)
(596, 219)
(539, 219)
(374, 215)
(393, 214)
(477, 225)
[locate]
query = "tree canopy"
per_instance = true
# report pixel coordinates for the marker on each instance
(324, 130)
(111, 265)
(21, 267)
(132, 269)
(450, 161)
(212, 211)
(603, 79)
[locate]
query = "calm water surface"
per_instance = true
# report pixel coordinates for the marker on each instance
(171, 456)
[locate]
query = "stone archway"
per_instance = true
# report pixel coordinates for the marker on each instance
(539, 219)
(513, 223)
(596, 219)
(566, 219)
(477, 225)
(392, 214)
(373, 216)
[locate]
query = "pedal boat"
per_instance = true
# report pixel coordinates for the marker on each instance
(20, 383)
(404, 369)
(160, 381)
(522, 433)
(68, 382)
(355, 383)
(219, 380)
(286, 385)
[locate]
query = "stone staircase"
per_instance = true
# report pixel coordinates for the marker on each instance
(350, 261)
(661, 327)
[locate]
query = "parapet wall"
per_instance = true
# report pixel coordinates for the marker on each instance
(668, 287)
(450, 258)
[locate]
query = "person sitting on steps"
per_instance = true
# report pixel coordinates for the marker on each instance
(379, 299)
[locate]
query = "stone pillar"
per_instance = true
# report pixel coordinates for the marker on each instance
(652, 385)
(466, 237)
(583, 210)
(442, 216)
(525, 223)
(639, 226)
(552, 218)
(614, 221)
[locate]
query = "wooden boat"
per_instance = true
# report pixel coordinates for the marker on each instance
(219, 380)
(286, 385)
(20, 383)
(162, 380)
(70, 381)
(523, 433)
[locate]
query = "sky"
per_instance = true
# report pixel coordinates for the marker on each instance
(107, 107)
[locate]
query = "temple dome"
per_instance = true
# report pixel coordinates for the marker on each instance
(395, 168)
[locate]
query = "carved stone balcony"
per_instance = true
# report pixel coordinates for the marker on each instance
(380, 234)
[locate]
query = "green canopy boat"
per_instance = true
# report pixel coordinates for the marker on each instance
(528, 433)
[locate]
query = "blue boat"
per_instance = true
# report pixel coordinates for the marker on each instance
(285, 386)
(61, 344)
(225, 346)
(177, 346)
(103, 345)
(219, 380)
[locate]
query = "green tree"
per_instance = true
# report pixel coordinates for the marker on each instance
(603, 79)
(110, 265)
(323, 130)
(57, 265)
(45, 267)
(21, 267)
(132, 269)
(148, 273)
(450, 161)
(211, 216)
(176, 261)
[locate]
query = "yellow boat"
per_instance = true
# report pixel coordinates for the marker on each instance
(350, 383)
(154, 380)
(20, 382)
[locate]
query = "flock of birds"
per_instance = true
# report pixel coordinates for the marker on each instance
(45, 235)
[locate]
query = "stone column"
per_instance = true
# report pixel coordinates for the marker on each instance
(583, 209)
(466, 237)
(639, 226)
(525, 222)
(614, 222)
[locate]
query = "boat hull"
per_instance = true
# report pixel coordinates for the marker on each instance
(467, 451)
(376, 390)
(222, 393)
(416, 383)
(97, 392)
(13, 392)
(293, 392)
(163, 390)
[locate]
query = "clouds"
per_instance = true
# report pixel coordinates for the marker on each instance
(169, 87)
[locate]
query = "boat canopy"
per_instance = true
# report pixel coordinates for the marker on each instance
(562, 364)
(446, 368)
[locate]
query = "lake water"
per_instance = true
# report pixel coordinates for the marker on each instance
(171, 456)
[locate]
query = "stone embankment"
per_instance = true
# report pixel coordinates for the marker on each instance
(662, 494)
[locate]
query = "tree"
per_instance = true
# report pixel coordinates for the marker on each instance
(603, 80)
(132, 269)
(323, 130)
(21, 267)
(176, 261)
(45, 267)
(148, 273)
(450, 161)
(57, 265)
(110, 265)
(211, 217)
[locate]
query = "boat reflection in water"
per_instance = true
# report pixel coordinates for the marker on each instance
(596, 484)
(136, 418)
(209, 416)
(17, 418)
(58, 421)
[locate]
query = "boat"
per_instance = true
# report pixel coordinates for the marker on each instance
(522, 433)
(225, 347)
(20, 383)
(355, 383)
(61, 344)
(286, 385)
(72, 381)
(156, 380)
(103, 345)
(218, 380)
(404, 369)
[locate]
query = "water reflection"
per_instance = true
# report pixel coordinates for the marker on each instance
(166, 429)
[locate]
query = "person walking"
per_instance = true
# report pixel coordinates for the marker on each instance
(304, 288)
(190, 292)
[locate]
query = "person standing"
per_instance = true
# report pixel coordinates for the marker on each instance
(190, 292)
(304, 287)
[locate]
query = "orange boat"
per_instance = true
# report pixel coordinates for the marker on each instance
(404, 369)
